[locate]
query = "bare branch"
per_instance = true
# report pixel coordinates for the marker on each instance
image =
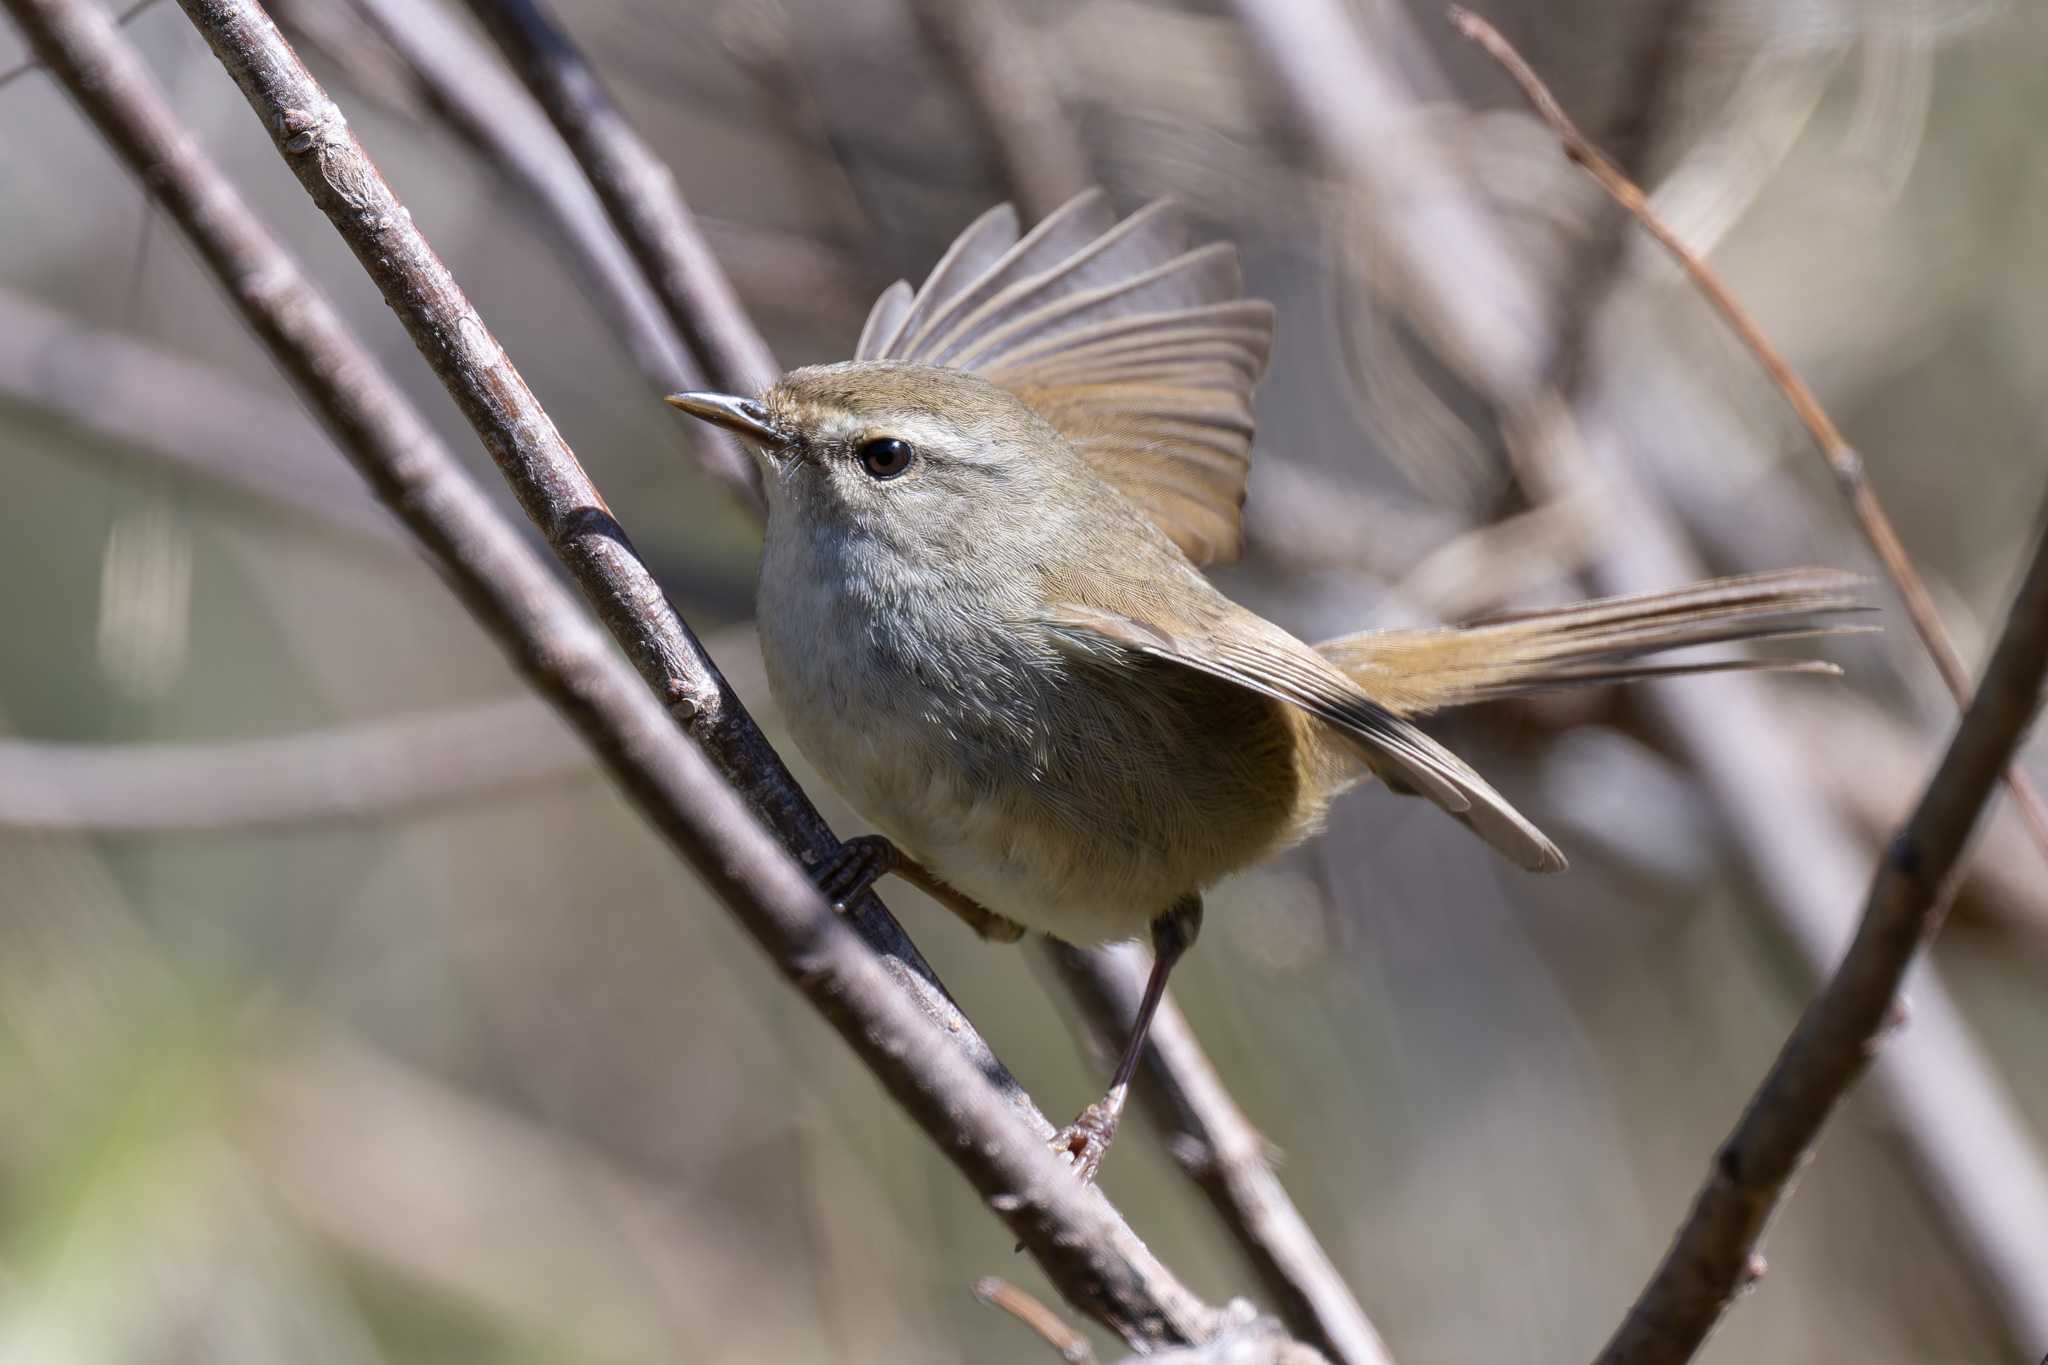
(462, 80)
(1842, 1029)
(486, 105)
(638, 190)
(1938, 1094)
(1222, 1153)
(542, 470)
(1841, 457)
(944, 1082)
(374, 770)
(192, 418)
(1043, 1322)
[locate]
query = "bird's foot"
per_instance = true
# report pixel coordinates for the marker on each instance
(1083, 1143)
(859, 864)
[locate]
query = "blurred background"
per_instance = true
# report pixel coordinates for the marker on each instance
(346, 1015)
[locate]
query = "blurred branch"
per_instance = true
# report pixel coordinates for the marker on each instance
(544, 473)
(1842, 1029)
(995, 56)
(639, 192)
(1599, 263)
(34, 63)
(464, 81)
(1841, 457)
(946, 1082)
(373, 770)
(189, 416)
(1948, 1108)
(561, 1214)
(493, 111)
(1871, 765)
(1043, 1322)
(1216, 1145)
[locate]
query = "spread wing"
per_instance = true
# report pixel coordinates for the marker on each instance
(1139, 347)
(1272, 663)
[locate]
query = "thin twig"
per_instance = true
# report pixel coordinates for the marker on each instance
(1842, 1029)
(1842, 459)
(1045, 1324)
(1220, 1150)
(543, 471)
(947, 1088)
(639, 192)
(463, 79)
(1937, 1092)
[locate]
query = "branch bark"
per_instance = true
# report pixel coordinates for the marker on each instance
(1475, 299)
(1219, 1149)
(543, 471)
(945, 1082)
(1834, 447)
(639, 192)
(1843, 1028)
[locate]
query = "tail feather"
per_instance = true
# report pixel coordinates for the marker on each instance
(1414, 672)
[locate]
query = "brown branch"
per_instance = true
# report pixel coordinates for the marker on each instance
(1933, 1085)
(1843, 1027)
(1045, 1324)
(1216, 1145)
(639, 192)
(462, 79)
(542, 470)
(1841, 457)
(945, 1081)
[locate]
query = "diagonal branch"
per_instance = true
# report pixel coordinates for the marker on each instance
(542, 470)
(943, 1082)
(1477, 302)
(1841, 457)
(191, 417)
(639, 192)
(1220, 1150)
(1843, 1028)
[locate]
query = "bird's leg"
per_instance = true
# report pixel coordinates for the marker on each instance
(865, 860)
(1085, 1141)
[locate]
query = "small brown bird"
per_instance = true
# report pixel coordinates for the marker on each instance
(982, 611)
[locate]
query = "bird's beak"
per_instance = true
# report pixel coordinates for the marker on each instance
(742, 416)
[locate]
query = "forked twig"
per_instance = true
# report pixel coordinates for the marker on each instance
(1842, 459)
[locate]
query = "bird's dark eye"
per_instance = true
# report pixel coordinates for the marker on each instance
(885, 457)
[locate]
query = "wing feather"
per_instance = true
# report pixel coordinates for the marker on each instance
(1263, 659)
(1138, 349)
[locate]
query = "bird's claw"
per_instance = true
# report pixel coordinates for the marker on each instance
(859, 864)
(1083, 1143)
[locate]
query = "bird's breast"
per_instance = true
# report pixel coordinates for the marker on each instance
(1074, 798)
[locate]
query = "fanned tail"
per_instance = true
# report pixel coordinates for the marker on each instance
(1414, 672)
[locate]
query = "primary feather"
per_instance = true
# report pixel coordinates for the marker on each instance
(1139, 349)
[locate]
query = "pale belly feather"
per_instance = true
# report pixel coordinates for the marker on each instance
(1072, 800)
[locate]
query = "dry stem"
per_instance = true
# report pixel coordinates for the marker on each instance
(1842, 459)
